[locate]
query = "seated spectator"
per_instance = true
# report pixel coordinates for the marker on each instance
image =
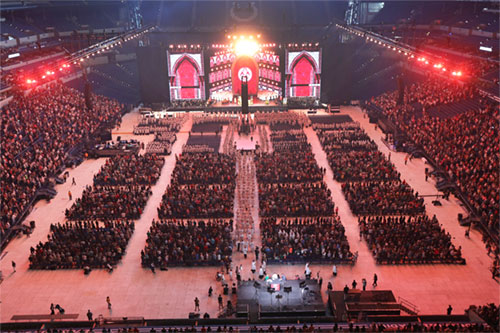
(130, 170)
(288, 166)
(318, 239)
(412, 239)
(188, 243)
(204, 169)
(197, 201)
(82, 244)
(37, 131)
(110, 202)
(291, 199)
(382, 198)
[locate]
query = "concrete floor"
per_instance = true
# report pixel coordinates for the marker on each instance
(135, 291)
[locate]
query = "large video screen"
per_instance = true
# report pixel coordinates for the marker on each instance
(262, 71)
(303, 73)
(186, 75)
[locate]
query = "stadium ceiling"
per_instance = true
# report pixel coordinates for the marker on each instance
(220, 15)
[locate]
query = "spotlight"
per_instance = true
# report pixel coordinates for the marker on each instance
(246, 47)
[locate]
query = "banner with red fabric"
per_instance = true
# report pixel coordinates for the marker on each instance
(245, 66)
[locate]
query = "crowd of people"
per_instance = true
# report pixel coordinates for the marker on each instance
(176, 243)
(414, 239)
(164, 130)
(317, 239)
(382, 198)
(106, 202)
(37, 131)
(288, 167)
(290, 181)
(490, 314)
(465, 146)
(130, 170)
(83, 244)
(202, 186)
(352, 155)
(204, 169)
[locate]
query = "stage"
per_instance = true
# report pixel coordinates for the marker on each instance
(279, 298)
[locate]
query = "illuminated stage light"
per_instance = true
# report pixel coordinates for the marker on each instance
(43, 77)
(246, 47)
(459, 73)
(81, 59)
(258, 36)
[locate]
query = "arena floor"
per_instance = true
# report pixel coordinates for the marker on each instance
(135, 291)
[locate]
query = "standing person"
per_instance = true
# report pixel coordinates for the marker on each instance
(264, 265)
(196, 304)
(307, 271)
(254, 267)
(14, 265)
(334, 270)
(329, 286)
(363, 282)
(320, 282)
(261, 273)
(89, 314)
(448, 311)
(108, 300)
(354, 284)
(245, 249)
(152, 266)
(256, 253)
(73, 182)
(210, 291)
(375, 279)
(221, 304)
(52, 312)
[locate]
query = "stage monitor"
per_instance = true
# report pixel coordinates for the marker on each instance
(186, 75)
(262, 71)
(303, 73)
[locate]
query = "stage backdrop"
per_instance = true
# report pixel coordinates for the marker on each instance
(245, 66)
(303, 73)
(186, 75)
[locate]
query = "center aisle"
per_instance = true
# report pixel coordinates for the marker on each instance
(246, 217)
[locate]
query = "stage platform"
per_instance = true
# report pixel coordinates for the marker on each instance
(358, 304)
(279, 298)
(230, 108)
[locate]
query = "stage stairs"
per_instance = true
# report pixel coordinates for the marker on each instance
(407, 306)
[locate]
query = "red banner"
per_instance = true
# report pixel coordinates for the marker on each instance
(245, 66)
